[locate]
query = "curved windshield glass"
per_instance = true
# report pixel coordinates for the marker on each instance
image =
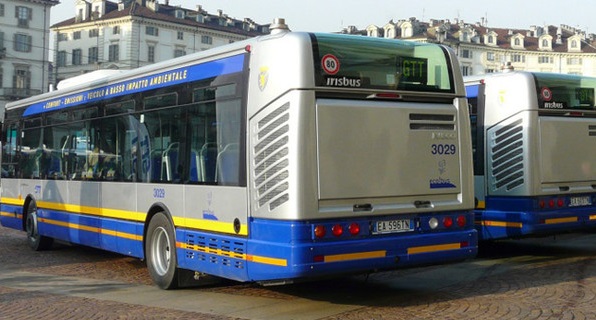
(349, 61)
(564, 91)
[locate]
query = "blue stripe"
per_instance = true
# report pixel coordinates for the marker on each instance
(472, 91)
(173, 77)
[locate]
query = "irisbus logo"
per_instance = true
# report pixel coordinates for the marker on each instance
(344, 82)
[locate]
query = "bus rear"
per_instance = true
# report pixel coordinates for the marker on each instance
(538, 133)
(363, 166)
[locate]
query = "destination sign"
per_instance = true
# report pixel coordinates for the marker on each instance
(413, 70)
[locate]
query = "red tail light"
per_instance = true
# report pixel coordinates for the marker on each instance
(542, 204)
(320, 231)
(448, 222)
(461, 221)
(560, 202)
(551, 203)
(354, 229)
(337, 230)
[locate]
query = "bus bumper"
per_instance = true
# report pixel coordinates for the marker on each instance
(492, 225)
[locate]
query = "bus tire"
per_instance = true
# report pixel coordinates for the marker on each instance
(36, 241)
(160, 250)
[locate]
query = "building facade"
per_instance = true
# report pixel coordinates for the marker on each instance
(131, 34)
(483, 49)
(24, 48)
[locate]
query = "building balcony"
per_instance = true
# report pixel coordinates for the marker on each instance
(17, 93)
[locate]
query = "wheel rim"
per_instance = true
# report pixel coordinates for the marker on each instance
(31, 225)
(161, 251)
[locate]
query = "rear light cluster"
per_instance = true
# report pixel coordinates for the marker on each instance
(554, 202)
(337, 230)
(447, 222)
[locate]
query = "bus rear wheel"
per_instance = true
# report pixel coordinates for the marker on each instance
(36, 241)
(160, 250)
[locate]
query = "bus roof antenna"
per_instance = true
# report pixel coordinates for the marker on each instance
(278, 26)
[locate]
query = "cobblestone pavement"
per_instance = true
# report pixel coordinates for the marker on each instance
(523, 279)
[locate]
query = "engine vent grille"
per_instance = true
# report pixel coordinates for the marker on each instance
(208, 249)
(507, 156)
(592, 131)
(271, 159)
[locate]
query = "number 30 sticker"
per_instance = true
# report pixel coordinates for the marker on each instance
(330, 64)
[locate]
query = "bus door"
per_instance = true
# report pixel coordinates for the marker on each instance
(477, 105)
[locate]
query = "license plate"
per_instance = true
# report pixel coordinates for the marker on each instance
(393, 226)
(580, 201)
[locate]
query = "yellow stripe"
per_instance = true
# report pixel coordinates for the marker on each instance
(201, 224)
(267, 260)
(435, 248)
(593, 217)
(13, 201)
(503, 224)
(481, 205)
(95, 211)
(560, 220)
(11, 215)
(92, 229)
(355, 256)
(216, 226)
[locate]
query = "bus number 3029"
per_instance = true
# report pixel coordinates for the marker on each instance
(443, 149)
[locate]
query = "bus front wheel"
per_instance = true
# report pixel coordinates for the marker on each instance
(160, 250)
(36, 241)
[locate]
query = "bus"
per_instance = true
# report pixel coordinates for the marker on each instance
(287, 157)
(534, 149)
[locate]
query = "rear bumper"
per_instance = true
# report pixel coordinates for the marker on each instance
(493, 225)
(320, 259)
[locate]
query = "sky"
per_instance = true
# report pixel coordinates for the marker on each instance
(334, 15)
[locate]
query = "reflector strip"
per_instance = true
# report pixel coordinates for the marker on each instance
(593, 217)
(355, 256)
(435, 248)
(481, 205)
(267, 260)
(560, 220)
(503, 224)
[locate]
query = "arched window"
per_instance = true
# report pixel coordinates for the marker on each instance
(544, 43)
(517, 42)
(574, 44)
(490, 39)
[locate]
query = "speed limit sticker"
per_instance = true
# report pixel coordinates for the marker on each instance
(330, 64)
(547, 95)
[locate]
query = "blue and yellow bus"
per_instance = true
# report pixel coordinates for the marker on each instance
(534, 143)
(285, 157)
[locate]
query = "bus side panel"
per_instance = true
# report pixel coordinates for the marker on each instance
(11, 216)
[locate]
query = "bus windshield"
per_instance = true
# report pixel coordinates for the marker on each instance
(375, 64)
(561, 91)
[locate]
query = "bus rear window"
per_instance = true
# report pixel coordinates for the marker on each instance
(562, 91)
(383, 64)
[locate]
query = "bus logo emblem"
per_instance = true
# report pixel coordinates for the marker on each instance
(263, 78)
